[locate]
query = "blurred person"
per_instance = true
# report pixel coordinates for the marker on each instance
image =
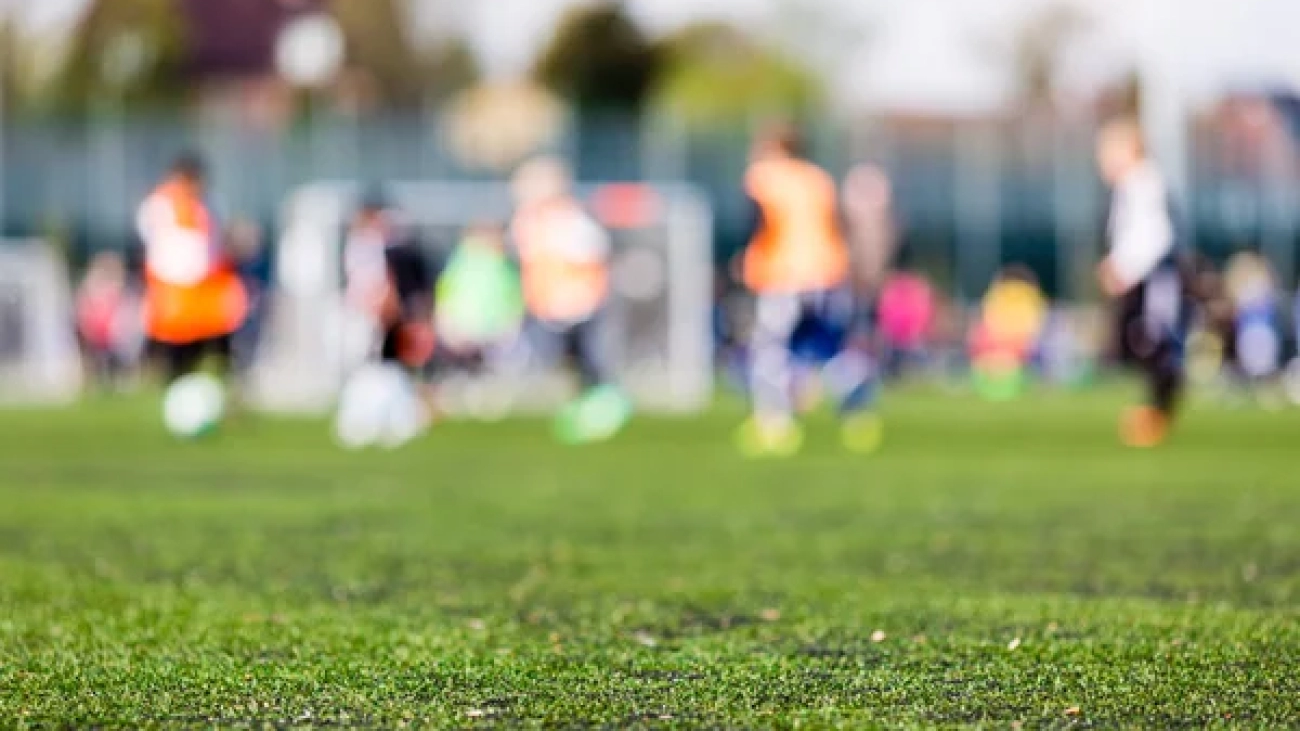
(107, 314)
(254, 268)
(1210, 341)
(872, 231)
(1144, 274)
(1256, 331)
(1291, 376)
(388, 280)
(1012, 318)
(564, 257)
(797, 265)
(905, 315)
(194, 298)
(478, 305)
(730, 325)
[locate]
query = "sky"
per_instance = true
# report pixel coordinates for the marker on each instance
(920, 54)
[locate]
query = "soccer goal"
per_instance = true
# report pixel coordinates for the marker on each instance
(658, 325)
(39, 359)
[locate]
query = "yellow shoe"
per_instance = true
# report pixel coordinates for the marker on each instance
(756, 439)
(863, 433)
(1143, 428)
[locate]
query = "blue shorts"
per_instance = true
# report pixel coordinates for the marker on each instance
(814, 327)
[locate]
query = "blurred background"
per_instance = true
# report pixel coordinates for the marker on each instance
(980, 115)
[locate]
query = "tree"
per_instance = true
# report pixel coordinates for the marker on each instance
(170, 46)
(1037, 49)
(451, 68)
(818, 35)
(379, 47)
(599, 59)
(133, 49)
(717, 73)
(12, 83)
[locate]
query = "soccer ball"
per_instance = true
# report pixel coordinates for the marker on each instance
(194, 406)
(379, 407)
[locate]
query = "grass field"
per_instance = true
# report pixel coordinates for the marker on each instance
(996, 565)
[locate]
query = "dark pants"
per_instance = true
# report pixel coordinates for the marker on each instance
(246, 342)
(391, 348)
(106, 366)
(1152, 327)
(581, 347)
(182, 359)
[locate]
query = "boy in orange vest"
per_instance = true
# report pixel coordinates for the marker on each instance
(194, 299)
(797, 265)
(564, 265)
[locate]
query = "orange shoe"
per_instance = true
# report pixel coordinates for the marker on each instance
(1143, 427)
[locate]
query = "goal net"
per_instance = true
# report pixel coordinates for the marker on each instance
(658, 326)
(39, 359)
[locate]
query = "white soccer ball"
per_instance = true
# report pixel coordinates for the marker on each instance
(379, 406)
(194, 405)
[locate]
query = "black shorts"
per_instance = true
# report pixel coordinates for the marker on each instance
(1153, 319)
(182, 359)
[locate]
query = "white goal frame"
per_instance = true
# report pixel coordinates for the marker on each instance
(48, 370)
(310, 342)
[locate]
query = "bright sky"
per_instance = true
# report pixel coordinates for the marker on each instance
(920, 54)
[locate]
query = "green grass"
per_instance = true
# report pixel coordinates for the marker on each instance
(1020, 565)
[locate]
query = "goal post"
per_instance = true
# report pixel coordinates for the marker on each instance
(658, 325)
(40, 362)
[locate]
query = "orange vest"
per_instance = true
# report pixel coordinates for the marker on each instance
(190, 296)
(563, 257)
(800, 247)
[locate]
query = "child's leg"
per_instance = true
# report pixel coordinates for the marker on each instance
(773, 430)
(1167, 312)
(771, 362)
(179, 360)
(583, 344)
(858, 371)
(855, 376)
(1159, 337)
(1165, 380)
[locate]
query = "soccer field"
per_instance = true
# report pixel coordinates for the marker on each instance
(995, 564)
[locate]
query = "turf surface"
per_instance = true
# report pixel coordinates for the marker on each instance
(996, 565)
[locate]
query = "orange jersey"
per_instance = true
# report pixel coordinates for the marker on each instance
(191, 294)
(799, 246)
(564, 261)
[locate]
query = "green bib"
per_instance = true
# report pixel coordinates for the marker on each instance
(479, 297)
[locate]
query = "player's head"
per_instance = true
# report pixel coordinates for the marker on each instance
(371, 210)
(244, 237)
(1019, 273)
(485, 235)
(781, 141)
(867, 187)
(107, 268)
(188, 169)
(1249, 276)
(541, 179)
(1121, 146)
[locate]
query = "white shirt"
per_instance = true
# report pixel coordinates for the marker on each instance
(365, 265)
(175, 254)
(568, 233)
(1141, 231)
